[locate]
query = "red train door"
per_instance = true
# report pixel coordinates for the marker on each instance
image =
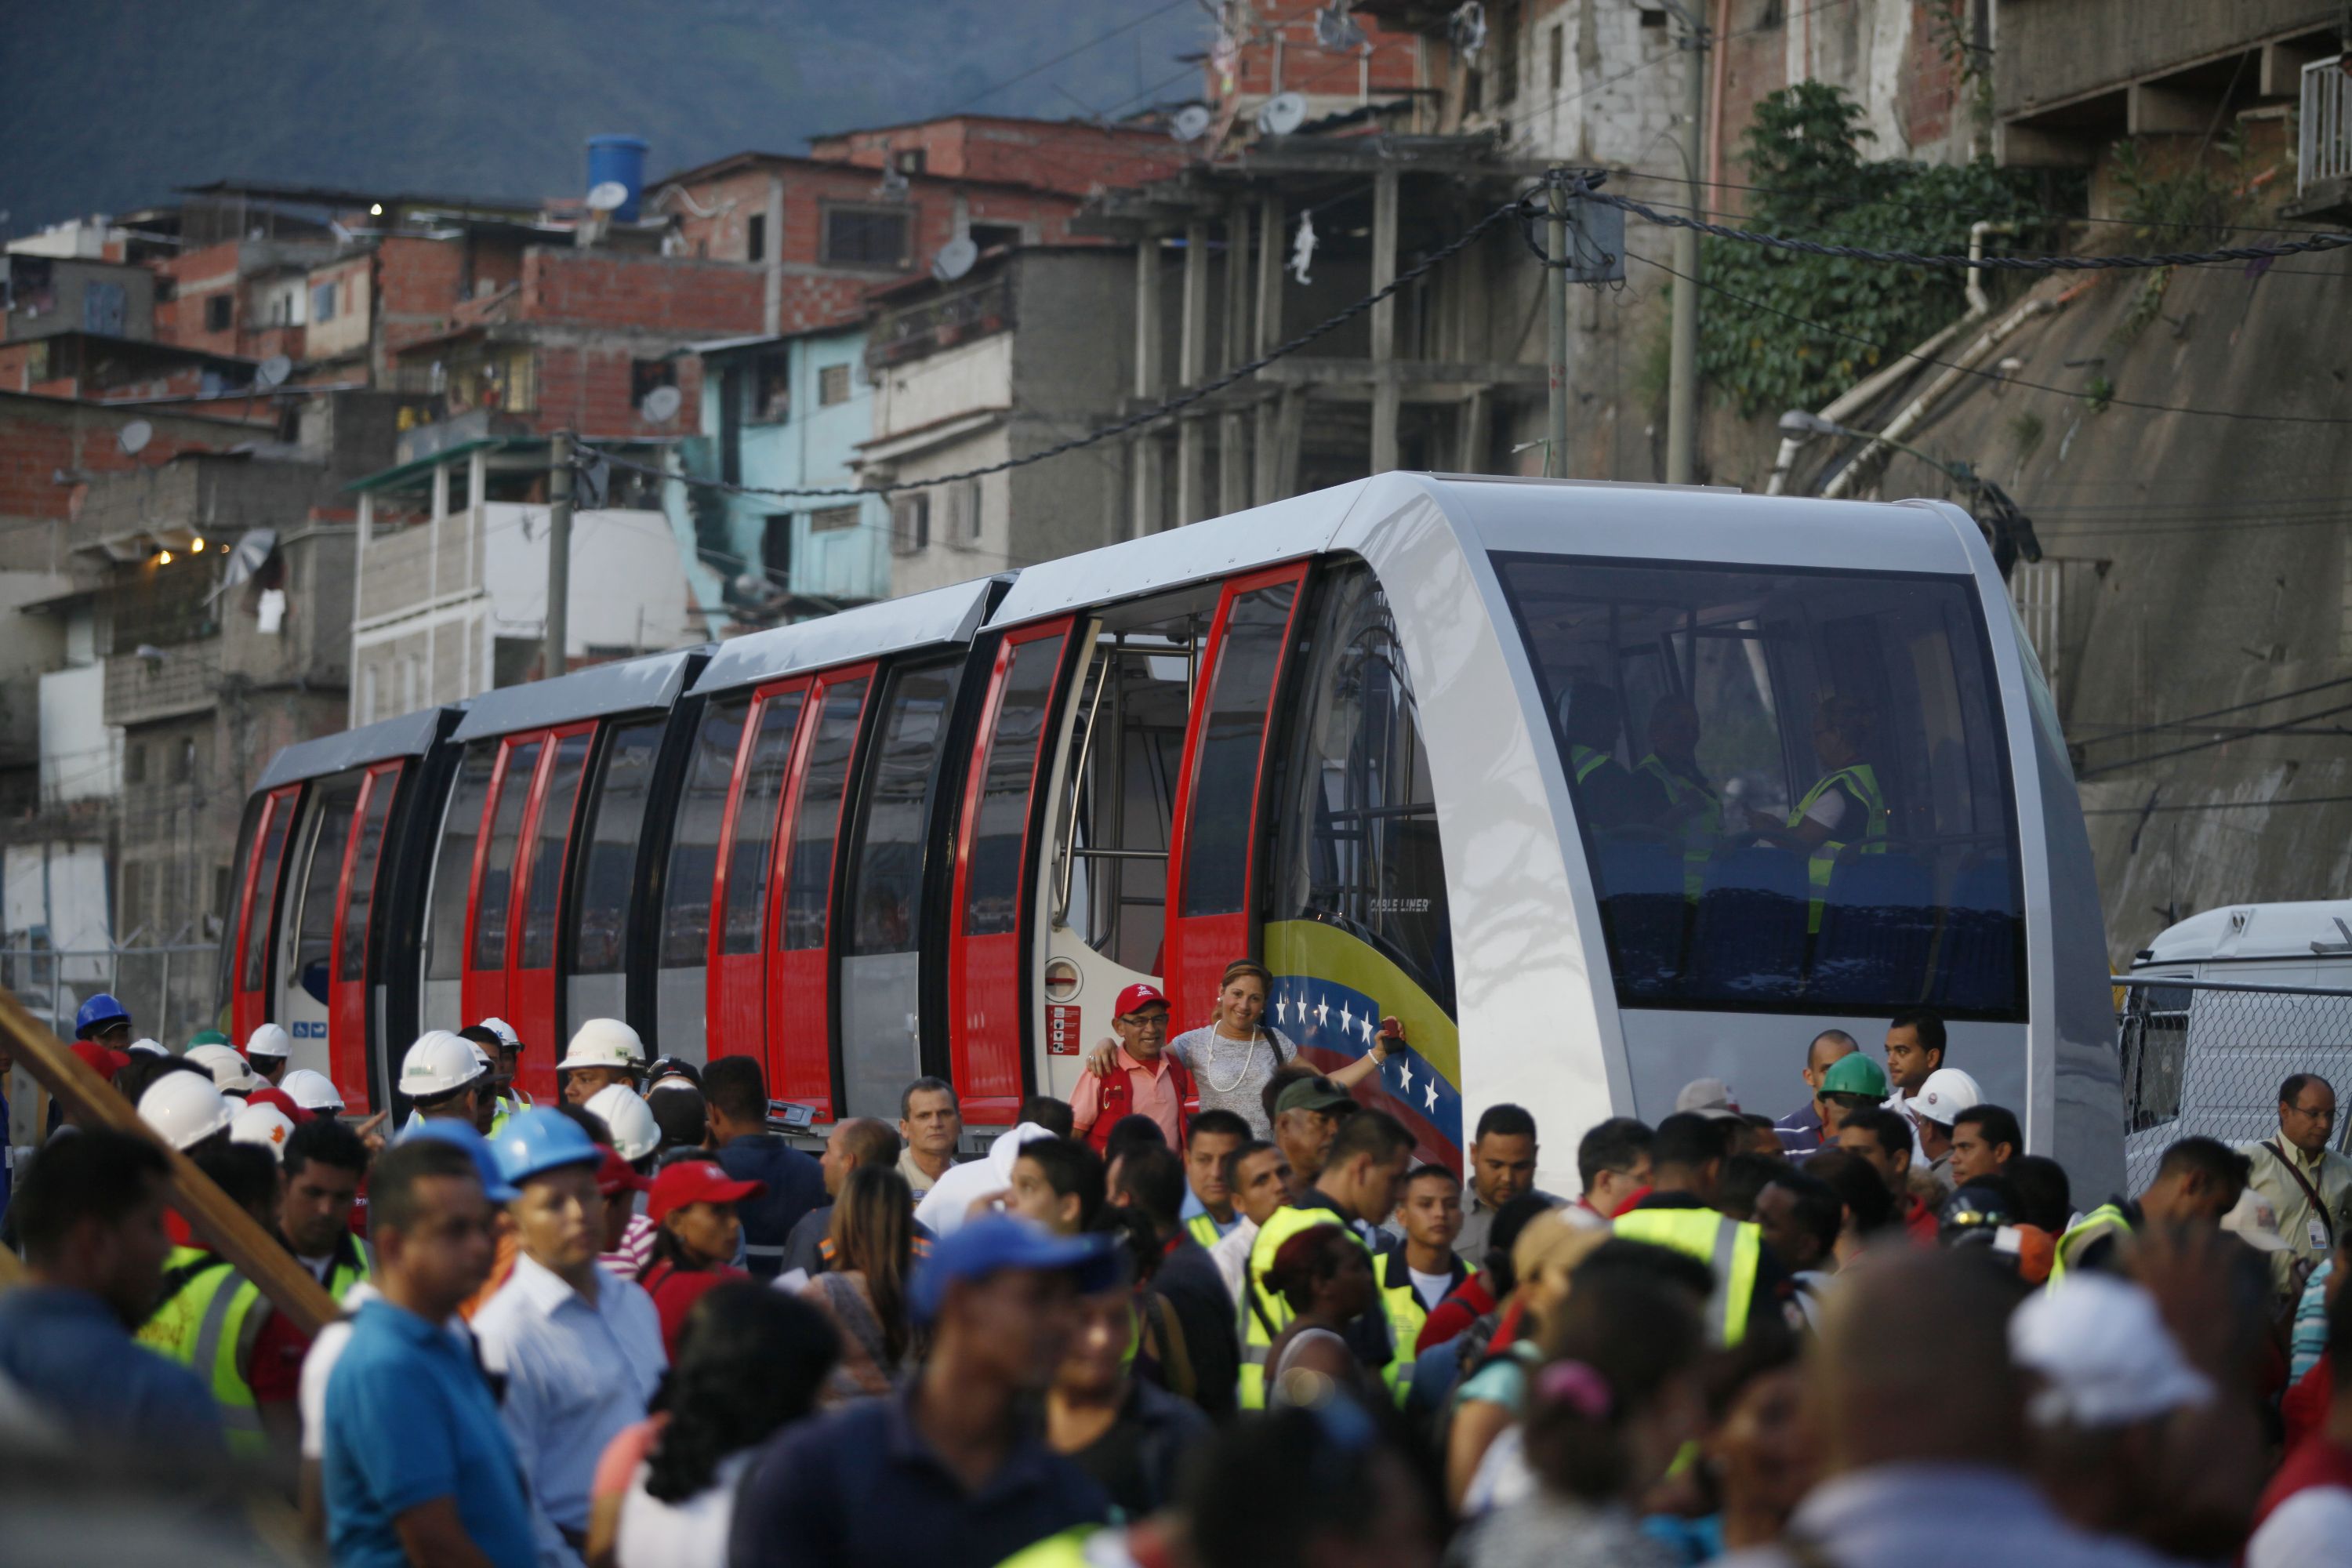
(1212, 851)
(991, 919)
(800, 908)
(740, 896)
(488, 912)
(348, 984)
(541, 855)
(258, 909)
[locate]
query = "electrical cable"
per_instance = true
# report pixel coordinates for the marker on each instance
(2224, 740)
(1130, 25)
(2215, 805)
(2187, 720)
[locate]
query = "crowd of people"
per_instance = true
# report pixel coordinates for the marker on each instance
(1218, 1310)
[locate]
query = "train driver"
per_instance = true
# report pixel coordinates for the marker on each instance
(1680, 799)
(1845, 804)
(1590, 718)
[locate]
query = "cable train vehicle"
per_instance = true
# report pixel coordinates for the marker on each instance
(1598, 788)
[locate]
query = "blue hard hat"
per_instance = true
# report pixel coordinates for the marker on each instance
(98, 1012)
(540, 1141)
(987, 1246)
(462, 1133)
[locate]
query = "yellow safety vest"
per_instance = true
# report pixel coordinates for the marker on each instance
(1204, 1227)
(1733, 1248)
(2106, 1216)
(343, 1275)
(204, 1324)
(1081, 1546)
(1862, 781)
(1586, 760)
(1406, 1317)
(1698, 832)
(1263, 1312)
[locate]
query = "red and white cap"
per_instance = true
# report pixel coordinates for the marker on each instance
(1135, 999)
(696, 1182)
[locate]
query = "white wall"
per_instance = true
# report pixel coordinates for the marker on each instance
(943, 386)
(57, 886)
(81, 754)
(628, 584)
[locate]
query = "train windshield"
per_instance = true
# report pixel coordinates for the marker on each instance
(1792, 785)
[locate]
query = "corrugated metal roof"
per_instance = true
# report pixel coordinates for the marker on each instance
(949, 615)
(410, 735)
(624, 687)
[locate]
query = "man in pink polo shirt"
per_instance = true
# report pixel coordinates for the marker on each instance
(1144, 1079)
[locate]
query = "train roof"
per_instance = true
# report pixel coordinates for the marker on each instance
(937, 616)
(410, 735)
(2320, 927)
(1714, 525)
(653, 680)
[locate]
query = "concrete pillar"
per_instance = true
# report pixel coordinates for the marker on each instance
(1289, 432)
(1192, 358)
(1266, 481)
(773, 305)
(1232, 457)
(359, 598)
(1144, 467)
(1473, 432)
(1386, 392)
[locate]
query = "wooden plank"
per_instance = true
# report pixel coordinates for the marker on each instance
(223, 1227)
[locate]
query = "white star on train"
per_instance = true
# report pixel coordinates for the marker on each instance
(1405, 1076)
(1364, 1027)
(1347, 1021)
(1430, 1089)
(1282, 1008)
(1322, 1011)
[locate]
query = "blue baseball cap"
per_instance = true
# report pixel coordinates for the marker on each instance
(494, 1186)
(988, 1246)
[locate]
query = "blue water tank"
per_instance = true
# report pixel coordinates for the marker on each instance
(621, 159)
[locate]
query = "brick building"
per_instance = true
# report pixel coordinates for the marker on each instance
(1074, 157)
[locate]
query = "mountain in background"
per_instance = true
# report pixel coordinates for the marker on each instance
(106, 105)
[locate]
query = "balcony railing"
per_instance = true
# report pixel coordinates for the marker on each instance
(2326, 144)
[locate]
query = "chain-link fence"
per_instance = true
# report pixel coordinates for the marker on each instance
(170, 991)
(2207, 1057)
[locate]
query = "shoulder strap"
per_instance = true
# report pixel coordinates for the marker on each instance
(1175, 1357)
(2318, 1203)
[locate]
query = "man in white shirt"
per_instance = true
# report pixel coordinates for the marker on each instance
(2308, 1183)
(1259, 1176)
(580, 1349)
(1915, 1050)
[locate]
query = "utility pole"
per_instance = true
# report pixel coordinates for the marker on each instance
(1556, 293)
(558, 554)
(1682, 396)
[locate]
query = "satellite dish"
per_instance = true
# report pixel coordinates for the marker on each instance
(955, 258)
(661, 404)
(1282, 114)
(133, 437)
(273, 372)
(1192, 123)
(1335, 29)
(607, 196)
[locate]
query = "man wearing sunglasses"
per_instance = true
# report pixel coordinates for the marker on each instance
(1145, 1077)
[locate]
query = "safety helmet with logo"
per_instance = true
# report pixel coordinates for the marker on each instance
(186, 1109)
(439, 1063)
(228, 1069)
(270, 1040)
(508, 1039)
(636, 1134)
(208, 1037)
(537, 1141)
(263, 1124)
(313, 1090)
(1946, 1092)
(604, 1043)
(100, 1012)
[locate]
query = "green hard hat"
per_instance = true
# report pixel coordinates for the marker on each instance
(207, 1037)
(1856, 1072)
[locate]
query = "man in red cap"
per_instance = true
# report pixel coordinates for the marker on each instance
(1145, 1078)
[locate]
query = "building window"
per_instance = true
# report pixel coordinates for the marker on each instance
(865, 236)
(184, 760)
(135, 763)
(1559, 56)
(322, 302)
(909, 159)
(218, 310)
(1507, 53)
(832, 386)
(776, 549)
(991, 236)
(647, 375)
(963, 512)
(832, 520)
(755, 237)
(910, 524)
(771, 389)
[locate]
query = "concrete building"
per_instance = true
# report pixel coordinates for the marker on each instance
(449, 596)
(1028, 349)
(779, 414)
(46, 295)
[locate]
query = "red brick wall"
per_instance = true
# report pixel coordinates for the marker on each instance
(39, 437)
(587, 390)
(652, 294)
(1070, 157)
(16, 361)
(732, 199)
(1755, 64)
(1306, 67)
(1930, 79)
(197, 275)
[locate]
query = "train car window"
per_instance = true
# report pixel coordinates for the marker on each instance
(351, 964)
(608, 869)
(1359, 845)
(1791, 786)
(265, 896)
(547, 857)
(993, 882)
(887, 885)
(808, 879)
(694, 845)
(755, 823)
(1223, 804)
(497, 860)
(333, 803)
(453, 870)
(1113, 864)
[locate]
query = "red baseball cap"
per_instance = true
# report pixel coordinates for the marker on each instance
(283, 1100)
(1135, 998)
(696, 1182)
(616, 1175)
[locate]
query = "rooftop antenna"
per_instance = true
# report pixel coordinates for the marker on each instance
(1192, 123)
(1282, 114)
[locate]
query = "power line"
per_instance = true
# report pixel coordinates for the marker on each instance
(2298, 719)
(2216, 713)
(1127, 26)
(2214, 805)
(1992, 376)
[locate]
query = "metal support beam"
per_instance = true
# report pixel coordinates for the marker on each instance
(1385, 401)
(555, 661)
(1194, 347)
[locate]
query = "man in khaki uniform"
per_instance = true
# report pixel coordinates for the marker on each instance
(2308, 1183)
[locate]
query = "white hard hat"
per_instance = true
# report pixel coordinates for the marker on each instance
(148, 1048)
(438, 1063)
(270, 1040)
(1946, 1093)
(504, 1031)
(2101, 1347)
(185, 1108)
(263, 1124)
(604, 1043)
(635, 1132)
(228, 1069)
(312, 1090)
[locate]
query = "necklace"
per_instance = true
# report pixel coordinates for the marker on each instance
(1210, 1066)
